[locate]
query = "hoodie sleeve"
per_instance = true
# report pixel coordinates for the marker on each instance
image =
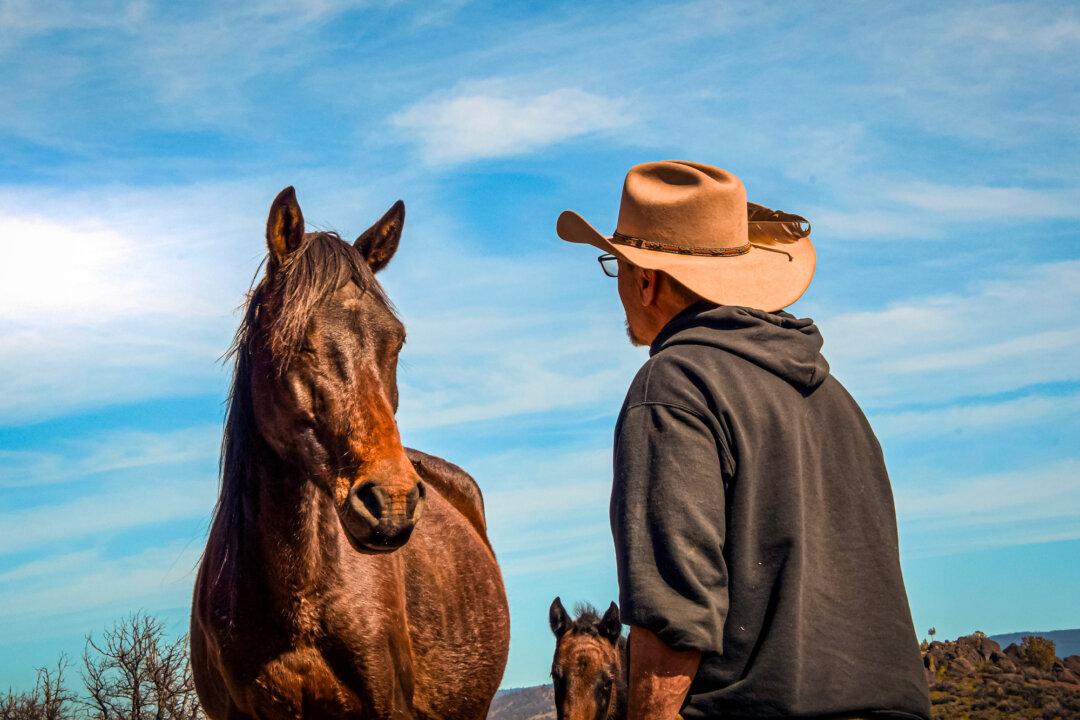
(667, 520)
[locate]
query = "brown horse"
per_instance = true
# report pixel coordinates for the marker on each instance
(322, 591)
(589, 667)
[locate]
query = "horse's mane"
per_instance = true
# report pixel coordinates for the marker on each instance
(291, 290)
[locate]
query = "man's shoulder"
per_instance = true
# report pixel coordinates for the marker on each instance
(671, 376)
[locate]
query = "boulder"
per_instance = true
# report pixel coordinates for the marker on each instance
(1063, 674)
(979, 646)
(1003, 662)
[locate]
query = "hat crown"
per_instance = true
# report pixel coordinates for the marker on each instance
(684, 204)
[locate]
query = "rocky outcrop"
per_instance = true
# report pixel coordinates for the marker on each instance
(974, 678)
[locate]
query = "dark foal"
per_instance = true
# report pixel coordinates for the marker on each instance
(344, 575)
(589, 667)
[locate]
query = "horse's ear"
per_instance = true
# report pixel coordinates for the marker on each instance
(610, 625)
(557, 618)
(285, 225)
(380, 241)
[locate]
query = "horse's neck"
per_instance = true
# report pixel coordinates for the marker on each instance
(293, 525)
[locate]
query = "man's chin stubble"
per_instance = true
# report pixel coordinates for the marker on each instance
(634, 339)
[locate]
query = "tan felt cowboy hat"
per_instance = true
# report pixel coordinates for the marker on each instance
(692, 221)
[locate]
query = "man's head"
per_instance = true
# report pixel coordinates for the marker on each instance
(686, 232)
(650, 298)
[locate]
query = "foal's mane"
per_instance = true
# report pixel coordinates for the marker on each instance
(291, 290)
(586, 620)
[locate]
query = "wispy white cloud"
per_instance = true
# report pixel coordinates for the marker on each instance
(870, 225)
(113, 509)
(991, 338)
(1028, 494)
(119, 294)
(486, 120)
(529, 494)
(88, 579)
(202, 68)
(505, 368)
(977, 416)
(1019, 26)
(28, 17)
(1033, 505)
(887, 211)
(985, 72)
(107, 452)
(493, 337)
(53, 268)
(980, 202)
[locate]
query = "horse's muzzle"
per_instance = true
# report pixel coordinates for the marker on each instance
(377, 521)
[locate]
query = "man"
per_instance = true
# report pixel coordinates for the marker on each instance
(753, 519)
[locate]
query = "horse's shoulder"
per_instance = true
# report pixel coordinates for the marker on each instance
(454, 484)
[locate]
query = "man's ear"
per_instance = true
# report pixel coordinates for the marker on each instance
(380, 241)
(557, 618)
(647, 285)
(610, 625)
(284, 225)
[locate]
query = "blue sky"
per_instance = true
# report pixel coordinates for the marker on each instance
(934, 146)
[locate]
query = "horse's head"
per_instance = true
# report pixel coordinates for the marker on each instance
(587, 669)
(322, 345)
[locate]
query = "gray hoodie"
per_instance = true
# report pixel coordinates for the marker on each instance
(753, 521)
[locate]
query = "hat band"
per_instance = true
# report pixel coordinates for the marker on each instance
(643, 244)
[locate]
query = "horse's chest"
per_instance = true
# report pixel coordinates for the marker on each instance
(328, 674)
(301, 683)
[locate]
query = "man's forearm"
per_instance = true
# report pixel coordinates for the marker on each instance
(659, 676)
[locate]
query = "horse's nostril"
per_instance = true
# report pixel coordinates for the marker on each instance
(372, 498)
(414, 498)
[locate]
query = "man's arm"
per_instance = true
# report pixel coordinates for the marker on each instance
(659, 676)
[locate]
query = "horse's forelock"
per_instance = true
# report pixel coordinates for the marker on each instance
(292, 291)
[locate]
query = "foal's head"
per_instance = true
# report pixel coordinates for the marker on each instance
(587, 670)
(321, 345)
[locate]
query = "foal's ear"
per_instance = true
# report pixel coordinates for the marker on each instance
(285, 225)
(610, 625)
(557, 618)
(380, 241)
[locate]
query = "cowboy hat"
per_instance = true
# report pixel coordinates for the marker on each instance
(692, 222)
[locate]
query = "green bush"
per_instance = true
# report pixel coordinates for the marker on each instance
(1038, 652)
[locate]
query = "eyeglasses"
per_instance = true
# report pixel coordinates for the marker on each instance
(609, 264)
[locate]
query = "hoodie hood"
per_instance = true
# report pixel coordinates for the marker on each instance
(786, 346)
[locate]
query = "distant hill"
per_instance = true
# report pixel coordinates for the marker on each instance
(529, 703)
(1066, 641)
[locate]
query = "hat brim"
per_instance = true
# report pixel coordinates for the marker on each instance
(768, 280)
